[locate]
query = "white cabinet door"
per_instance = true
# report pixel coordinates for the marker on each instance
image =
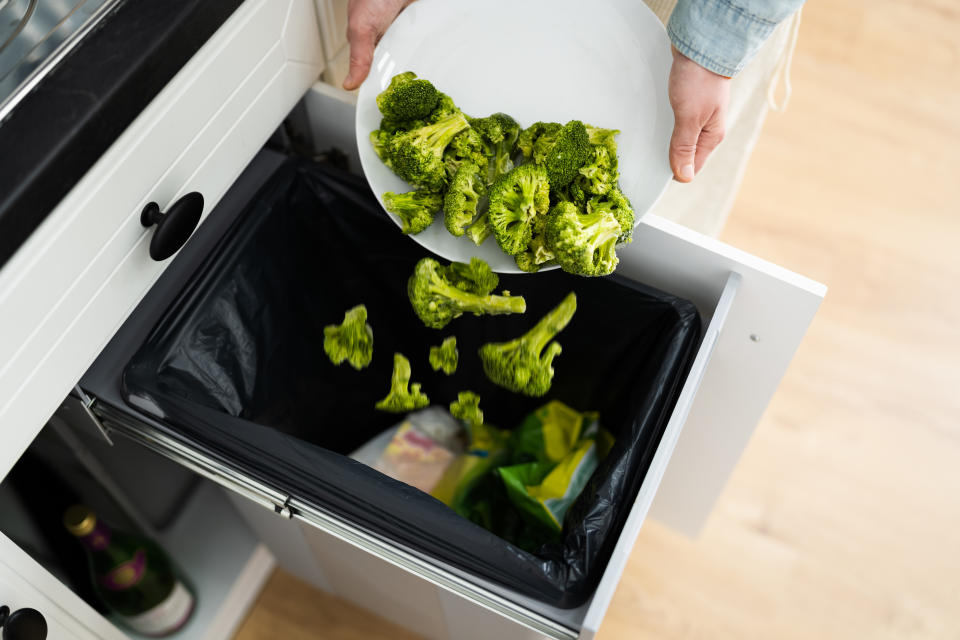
(71, 285)
(24, 583)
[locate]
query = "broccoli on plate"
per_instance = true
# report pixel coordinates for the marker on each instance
(465, 148)
(480, 229)
(583, 243)
(498, 134)
(416, 209)
(351, 341)
(616, 203)
(525, 365)
(417, 155)
(462, 201)
(407, 98)
(437, 298)
(403, 396)
(445, 356)
(517, 199)
(536, 140)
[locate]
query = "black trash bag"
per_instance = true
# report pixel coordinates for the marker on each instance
(237, 367)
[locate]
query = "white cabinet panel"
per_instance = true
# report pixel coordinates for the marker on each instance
(65, 292)
(24, 583)
(389, 591)
(467, 621)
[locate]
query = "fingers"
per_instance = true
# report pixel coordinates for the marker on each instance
(710, 137)
(362, 38)
(367, 21)
(683, 147)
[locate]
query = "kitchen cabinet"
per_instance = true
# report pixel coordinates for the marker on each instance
(69, 289)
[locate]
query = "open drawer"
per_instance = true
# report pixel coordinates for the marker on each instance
(754, 313)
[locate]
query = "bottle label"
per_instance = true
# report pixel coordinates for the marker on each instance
(98, 539)
(126, 574)
(166, 617)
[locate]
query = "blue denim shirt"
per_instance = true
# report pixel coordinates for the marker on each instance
(723, 35)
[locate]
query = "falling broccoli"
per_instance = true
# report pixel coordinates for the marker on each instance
(403, 396)
(351, 341)
(473, 277)
(462, 202)
(416, 209)
(444, 357)
(525, 365)
(583, 243)
(437, 299)
(516, 201)
(467, 408)
(407, 98)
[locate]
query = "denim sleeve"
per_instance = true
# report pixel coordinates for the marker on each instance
(723, 35)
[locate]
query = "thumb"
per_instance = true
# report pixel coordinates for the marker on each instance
(683, 147)
(362, 41)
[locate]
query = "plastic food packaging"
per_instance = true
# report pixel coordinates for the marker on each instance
(567, 447)
(235, 367)
(418, 450)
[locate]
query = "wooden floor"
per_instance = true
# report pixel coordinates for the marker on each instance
(843, 518)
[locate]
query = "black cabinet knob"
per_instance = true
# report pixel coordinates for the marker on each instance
(173, 227)
(22, 624)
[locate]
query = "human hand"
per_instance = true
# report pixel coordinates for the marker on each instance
(367, 20)
(699, 98)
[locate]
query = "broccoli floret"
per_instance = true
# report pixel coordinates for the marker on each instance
(417, 155)
(583, 243)
(445, 356)
(536, 140)
(351, 341)
(380, 140)
(408, 98)
(599, 175)
(524, 365)
(561, 149)
(516, 200)
(537, 255)
(437, 301)
(476, 277)
(480, 229)
(416, 209)
(445, 107)
(499, 134)
(465, 148)
(538, 252)
(571, 150)
(398, 126)
(526, 262)
(617, 204)
(603, 137)
(463, 198)
(467, 408)
(401, 398)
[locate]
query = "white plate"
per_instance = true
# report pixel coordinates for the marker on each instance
(604, 62)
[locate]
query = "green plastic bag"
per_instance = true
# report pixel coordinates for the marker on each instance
(544, 491)
(551, 432)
